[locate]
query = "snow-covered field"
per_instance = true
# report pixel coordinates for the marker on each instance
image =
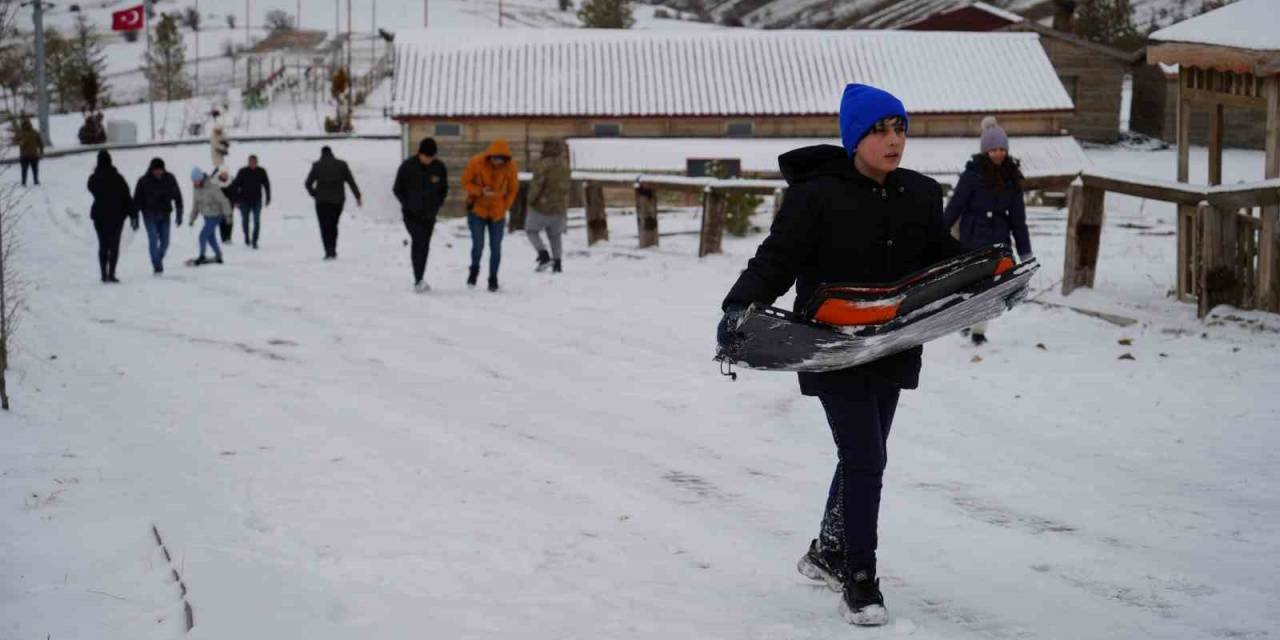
(328, 455)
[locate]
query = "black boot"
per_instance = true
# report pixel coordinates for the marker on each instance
(555, 266)
(544, 259)
(823, 565)
(472, 276)
(493, 283)
(862, 603)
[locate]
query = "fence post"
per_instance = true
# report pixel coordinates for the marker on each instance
(597, 219)
(714, 206)
(1084, 233)
(647, 216)
(1218, 281)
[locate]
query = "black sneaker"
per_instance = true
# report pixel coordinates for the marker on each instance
(493, 283)
(822, 565)
(555, 266)
(472, 275)
(218, 260)
(862, 603)
(978, 339)
(544, 260)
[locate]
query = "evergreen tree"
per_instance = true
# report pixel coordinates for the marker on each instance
(1108, 22)
(86, 58)
(606, 14)
(166, 64)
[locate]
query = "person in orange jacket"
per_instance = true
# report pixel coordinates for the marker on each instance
(491, 182)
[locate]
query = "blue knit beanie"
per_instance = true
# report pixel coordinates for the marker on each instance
(861, 108)
(197, 175)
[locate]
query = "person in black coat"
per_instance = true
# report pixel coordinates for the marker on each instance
(988, 202)
(155, 196)
(327, 183)
(250, 183)
(850, 215)
(421, 185)
(112, 204)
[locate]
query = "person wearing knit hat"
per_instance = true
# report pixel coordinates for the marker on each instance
(988, 202)
(155, 196)
(207, 200)
(851, 215)
(421, 185)
(111, 205)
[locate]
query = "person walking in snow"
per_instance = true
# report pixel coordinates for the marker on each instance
(327, 183)
(988, 202)
(250, 183)
(492, 183)
(549, 203)
(30, 148)
(207, 200)
(850, 215)
(155, 196)
(112, 204)
(421, 185)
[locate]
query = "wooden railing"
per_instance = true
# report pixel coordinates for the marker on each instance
(1226, 253)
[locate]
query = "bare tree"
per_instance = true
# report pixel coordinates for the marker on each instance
(280, 20)
(10, 210)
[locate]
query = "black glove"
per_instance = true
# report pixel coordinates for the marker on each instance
(727, 335)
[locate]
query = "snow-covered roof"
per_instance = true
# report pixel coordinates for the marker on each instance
(903, 14)
(1040, 155)
(1246, 24)
(586, 72)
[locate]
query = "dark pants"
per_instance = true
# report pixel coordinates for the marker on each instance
(860, 417)
(251, 212)
(226, 227)
(494, 228)
(420, 227)
(34, 165)
(328, 213)
(108, 245)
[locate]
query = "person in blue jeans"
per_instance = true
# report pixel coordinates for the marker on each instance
(208, 200)
(155, 196)
(248, 186)
(494, 229)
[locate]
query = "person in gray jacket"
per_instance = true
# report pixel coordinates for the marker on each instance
(549, 203)
(326, 183)
(208, 201)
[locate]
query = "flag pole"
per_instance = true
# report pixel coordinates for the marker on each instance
(151, 89)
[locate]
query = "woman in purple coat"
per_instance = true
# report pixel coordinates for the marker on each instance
(988, 202)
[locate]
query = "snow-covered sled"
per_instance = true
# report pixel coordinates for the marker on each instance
(846, 325)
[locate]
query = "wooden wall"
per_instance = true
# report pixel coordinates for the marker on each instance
(1098, 81)
(1155, 113)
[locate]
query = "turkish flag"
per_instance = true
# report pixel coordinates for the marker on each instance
(128, 20)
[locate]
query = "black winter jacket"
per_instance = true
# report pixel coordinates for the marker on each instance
(111, 199)
(249, 185)
(157, 196)
(420, 189)
(837, 225)
(327, 178)
(987, 215)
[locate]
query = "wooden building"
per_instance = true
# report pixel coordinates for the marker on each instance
(1154, 111)
(530, 85)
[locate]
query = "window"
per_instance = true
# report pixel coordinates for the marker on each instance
(740, 129)
(606, 129)
(448, 129)
(1069, 83)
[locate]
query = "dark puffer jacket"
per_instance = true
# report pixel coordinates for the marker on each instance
(157, 197)
(421, 189)
(327, 179)
(988, 215)
(111, 200)
(837, 225)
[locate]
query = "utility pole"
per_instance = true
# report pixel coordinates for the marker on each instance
(426, 8)
(151, 89)
(351, 78)
(247, 39)
(42, 84)
(297, 22)
(196, 28)
(499, 14)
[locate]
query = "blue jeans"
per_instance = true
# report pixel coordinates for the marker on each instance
(209, 236)
(157, 238)
(478, 227)
(251, 212)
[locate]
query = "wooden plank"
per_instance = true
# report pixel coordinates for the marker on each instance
(1084, 234)
(597, 219)
(1206, 98)
(1183, 134)
(714, 207)
(1268, 290)
(1054, 181)
(1215, 144)
(1216, 274)
(1203, 56)
(1118, 320)
(1185, 195)
(647, 217)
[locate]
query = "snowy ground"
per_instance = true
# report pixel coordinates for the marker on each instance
(328, 455)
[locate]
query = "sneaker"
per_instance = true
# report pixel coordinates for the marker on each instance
(217, 260)
(472, 275)
(255, 245)
(978, 339)
(544, 261)
(421, 286)
(862, 603)
(493, 283)
(822, 565)
(200, 260)
(555, 266)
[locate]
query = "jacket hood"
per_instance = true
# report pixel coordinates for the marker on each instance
(807, 163)
(552, 148)
(499, 147)
(104, 161)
